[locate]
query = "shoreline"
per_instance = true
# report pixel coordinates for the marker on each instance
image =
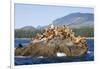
(24, 38)
(30, 38)
(89, 37)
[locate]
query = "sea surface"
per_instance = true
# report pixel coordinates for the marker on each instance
(20, 60)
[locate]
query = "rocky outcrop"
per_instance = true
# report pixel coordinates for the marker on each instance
(52, 41)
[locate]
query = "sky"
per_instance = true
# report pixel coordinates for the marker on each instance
(41, 15)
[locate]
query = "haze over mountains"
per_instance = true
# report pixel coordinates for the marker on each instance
(74, 20)
(28, 28)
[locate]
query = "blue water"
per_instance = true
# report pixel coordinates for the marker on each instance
(28, 60)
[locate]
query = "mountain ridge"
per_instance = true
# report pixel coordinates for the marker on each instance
(80, 19)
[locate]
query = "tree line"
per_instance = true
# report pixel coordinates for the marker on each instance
(84, 31)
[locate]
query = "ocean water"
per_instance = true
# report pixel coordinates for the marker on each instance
(19, 60)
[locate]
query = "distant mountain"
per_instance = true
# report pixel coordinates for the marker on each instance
(25, 32)
(28, 28)
(76, 20)
(38, 27)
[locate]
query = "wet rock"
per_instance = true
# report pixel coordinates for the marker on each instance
(53, 41)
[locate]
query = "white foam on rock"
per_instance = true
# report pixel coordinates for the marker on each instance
(61, 54)
(89, 52)
(22, 56)
(40, 57)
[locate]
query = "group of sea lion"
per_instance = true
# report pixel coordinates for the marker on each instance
(54, 39)
(61, 32)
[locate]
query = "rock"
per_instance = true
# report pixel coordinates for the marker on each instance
(36, 50)
(64, 42)
(50, 49)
